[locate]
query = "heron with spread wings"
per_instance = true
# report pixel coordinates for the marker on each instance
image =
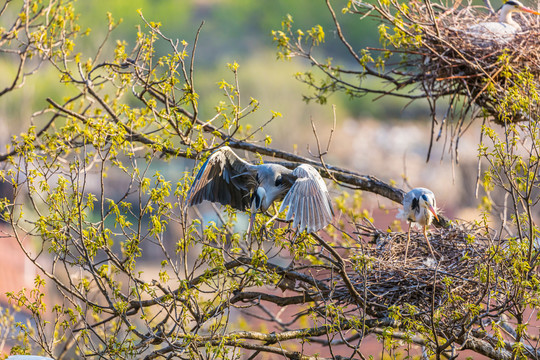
(229, 180)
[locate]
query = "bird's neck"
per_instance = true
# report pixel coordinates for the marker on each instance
(424, 216)
(259, 198)
(506, 18)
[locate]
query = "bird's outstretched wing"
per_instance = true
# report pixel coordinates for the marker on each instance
(308, 200)
(223, 178)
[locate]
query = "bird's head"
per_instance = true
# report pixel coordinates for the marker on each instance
(514, 5)
(429, 203)
(257, 198)
(276, 181)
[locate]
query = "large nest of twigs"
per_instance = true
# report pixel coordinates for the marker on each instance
(462, 251)
(471, 67)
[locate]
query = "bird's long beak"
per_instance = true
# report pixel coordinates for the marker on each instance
(526, 9)
(251, 220)
(430, 208)
(256, 202)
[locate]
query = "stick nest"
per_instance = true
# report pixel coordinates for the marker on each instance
(450, 60)
(384, 279)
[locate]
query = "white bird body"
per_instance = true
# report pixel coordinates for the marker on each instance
(418, 207)
(229, 180)
(502, 31)
(497, 31)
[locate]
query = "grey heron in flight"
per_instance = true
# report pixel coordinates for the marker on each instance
(229, 180)
(419, 207)
(504, 30)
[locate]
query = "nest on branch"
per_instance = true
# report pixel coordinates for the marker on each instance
(462, 252)
(475, 70)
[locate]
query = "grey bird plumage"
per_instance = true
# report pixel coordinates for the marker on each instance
(413, 212)
(229, 180)
(419, 206)
(502, 31)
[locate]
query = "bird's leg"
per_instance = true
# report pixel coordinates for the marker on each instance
(408, 239)
(276, 213)
(429, 245)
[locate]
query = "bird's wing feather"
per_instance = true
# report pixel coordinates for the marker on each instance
(223, 178)
(308, 200)
(407, 211)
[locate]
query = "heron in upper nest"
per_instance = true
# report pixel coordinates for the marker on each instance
(419, 207)
(229, 180)
(504, 30)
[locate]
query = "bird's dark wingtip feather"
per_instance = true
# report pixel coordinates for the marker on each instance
(217, 181)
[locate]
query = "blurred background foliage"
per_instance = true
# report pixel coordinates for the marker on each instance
(233, 30)
(393, 132)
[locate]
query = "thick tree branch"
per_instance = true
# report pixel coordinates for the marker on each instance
(483, 347)
(278, 300)
(241, 261)
(232, 339)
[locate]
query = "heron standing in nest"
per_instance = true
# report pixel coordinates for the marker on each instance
(504, 30)
(419, 207)
(229, 180)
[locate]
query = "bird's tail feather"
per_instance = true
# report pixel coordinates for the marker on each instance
(401, 215)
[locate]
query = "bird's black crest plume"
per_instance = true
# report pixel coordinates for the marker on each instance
(415, 204)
